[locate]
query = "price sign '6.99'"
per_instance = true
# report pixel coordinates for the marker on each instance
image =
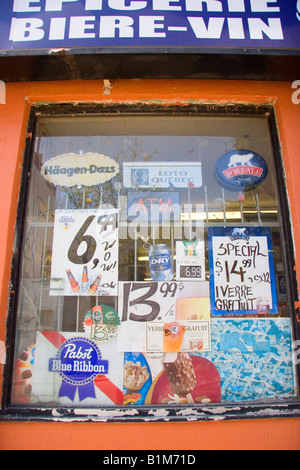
(85, 253)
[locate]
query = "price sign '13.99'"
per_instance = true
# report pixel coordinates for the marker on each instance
(148, 304)
(85, 253)
(242, 271)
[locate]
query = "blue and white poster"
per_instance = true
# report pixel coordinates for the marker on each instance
(253, 358)
(242, 275)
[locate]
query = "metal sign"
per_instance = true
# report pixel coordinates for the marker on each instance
(212, 24)
(240, 170)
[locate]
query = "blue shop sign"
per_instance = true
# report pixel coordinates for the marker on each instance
(45, 25)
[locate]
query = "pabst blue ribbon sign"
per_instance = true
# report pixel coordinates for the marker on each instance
(50, 24)
(78, 362)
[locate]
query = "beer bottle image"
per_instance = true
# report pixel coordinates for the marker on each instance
(84, 279)
(95, 284)
(97, 314)
(74, 284)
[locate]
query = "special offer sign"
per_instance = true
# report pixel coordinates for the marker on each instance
(242, 275)
(85, 252)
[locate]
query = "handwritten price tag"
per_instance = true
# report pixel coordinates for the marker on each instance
(85, 252)
(242, 271)
(144, 303)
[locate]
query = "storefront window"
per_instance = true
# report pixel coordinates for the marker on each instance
(154, 264)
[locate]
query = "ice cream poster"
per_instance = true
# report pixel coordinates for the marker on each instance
(85, 253)
(250, 360)
(164, 316)
(242, 275)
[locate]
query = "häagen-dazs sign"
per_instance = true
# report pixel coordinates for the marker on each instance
(72, 169)
(51, 24)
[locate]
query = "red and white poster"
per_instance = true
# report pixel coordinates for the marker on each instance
(70, 368)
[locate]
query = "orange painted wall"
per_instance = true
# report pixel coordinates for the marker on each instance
(258, 434)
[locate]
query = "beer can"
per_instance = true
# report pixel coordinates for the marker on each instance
(161, 266)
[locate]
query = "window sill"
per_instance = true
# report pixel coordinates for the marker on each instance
(218, 412)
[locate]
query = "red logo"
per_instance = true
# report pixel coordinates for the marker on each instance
(242, 171)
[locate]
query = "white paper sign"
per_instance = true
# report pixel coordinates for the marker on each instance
(85, 253)
(162, 175)
(190, 261)
(196, 337)
(142, 303)
(242, 271)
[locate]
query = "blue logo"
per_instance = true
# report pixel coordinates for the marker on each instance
(78, 361)
(240, 170)
(139, 177)
(239, 234)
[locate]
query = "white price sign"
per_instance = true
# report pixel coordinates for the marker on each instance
(242, 271)
(141, 303)
(85, 253)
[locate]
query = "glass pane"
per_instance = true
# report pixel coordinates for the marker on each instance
(153, 269)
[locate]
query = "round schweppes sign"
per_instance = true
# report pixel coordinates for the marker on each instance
(71, 169)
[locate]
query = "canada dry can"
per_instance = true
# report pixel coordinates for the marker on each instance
(161, 266)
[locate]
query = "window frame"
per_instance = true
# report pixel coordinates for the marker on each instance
(210, 412)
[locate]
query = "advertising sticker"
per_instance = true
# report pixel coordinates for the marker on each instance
(85, 252)
(70, 368)
(190, 260)
(242, 275)
(101, 323)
